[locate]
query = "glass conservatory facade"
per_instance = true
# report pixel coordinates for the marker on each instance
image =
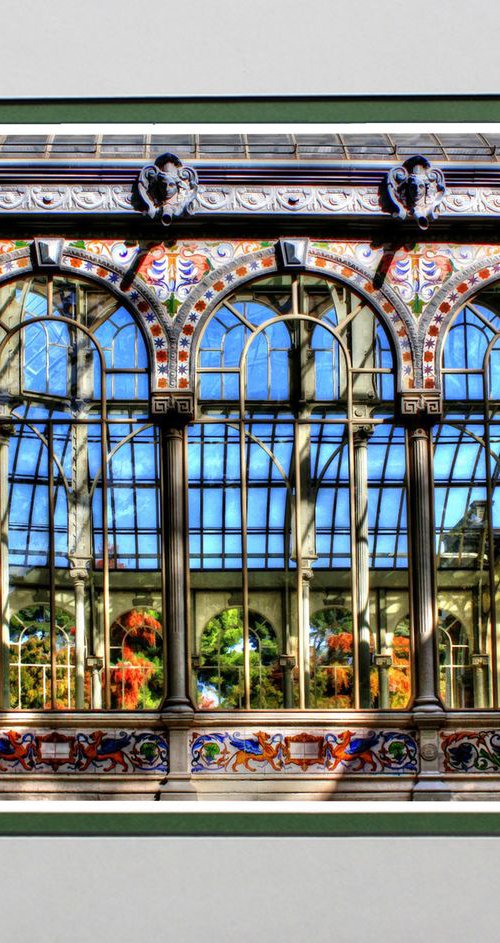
(249, 450)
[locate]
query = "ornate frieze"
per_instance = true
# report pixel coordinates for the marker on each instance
(416, 273)
(167, 189)
(299, 751)
(174, 285)
(83, 751)
(471, 751)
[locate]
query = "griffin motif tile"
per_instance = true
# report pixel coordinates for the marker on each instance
(362, 751)
(83, 751)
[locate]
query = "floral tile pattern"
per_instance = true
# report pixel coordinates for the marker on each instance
(171, 269)
(83, 751)
(341, 751)
(471, 751)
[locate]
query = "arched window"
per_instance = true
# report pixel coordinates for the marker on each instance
(220, 675)
(456, 673)
(297, 488)
(467, 506)
(79, 482)
(136, 660)
(30, 658)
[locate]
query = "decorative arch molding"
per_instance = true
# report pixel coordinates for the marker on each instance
(210, 292)
(142, 302)
(443, 309)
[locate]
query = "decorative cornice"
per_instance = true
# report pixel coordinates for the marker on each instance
(239, 192)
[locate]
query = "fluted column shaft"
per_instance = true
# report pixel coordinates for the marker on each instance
(421, 514)
(174, 537)
(361, 437)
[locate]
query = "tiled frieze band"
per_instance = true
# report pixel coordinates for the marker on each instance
(83, 751)
(322, 751)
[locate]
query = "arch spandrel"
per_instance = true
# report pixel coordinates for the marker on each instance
(211, 291)
(137, 296)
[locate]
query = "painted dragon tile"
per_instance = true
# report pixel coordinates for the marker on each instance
(363, 751)
(83, 751)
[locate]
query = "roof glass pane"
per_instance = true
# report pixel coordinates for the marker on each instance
(122, 145)
(24, 145)
(227, 145)
(181, 144)
(274, 145)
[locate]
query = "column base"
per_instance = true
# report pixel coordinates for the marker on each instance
(428, 705)
(431, 788)
(177, 788)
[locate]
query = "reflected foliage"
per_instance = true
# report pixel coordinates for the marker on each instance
(220, 681)
(30, 661)
(332, 657)
(136, 660)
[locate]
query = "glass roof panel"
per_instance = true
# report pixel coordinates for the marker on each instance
(393, 147)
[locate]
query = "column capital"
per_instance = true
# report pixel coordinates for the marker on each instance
(79, 569)
(173, 408)
(363, 428)
(7, 429)
(423, 407)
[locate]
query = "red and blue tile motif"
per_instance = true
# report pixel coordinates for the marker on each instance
(361, 751)
(83, 751)
(471, 751)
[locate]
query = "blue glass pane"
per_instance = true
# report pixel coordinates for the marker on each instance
(233, 345)
(257, 369)
(279, 375)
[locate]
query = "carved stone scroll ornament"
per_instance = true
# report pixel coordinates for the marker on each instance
(166, 188)
(416, 189)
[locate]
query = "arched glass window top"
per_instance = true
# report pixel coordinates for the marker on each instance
(297, 491)
(467, 505)
(79, 493)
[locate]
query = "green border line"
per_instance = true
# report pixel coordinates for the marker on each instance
(251, 824)
(278, 109)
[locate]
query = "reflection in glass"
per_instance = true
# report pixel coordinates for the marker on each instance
(220, 681)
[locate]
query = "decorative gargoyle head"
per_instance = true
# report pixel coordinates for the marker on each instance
(166, 188)
(416, 189)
